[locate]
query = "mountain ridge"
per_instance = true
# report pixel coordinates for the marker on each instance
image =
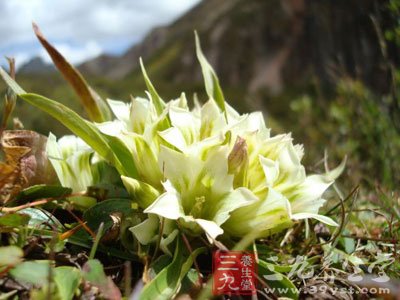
(266, 45)
(264, 52)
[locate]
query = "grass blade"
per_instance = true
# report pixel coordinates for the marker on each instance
(96, 241)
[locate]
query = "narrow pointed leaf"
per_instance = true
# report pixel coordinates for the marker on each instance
(158, 102)
(167, 283)
(85, 130)
(321, 218)
(95, 107)
(11, 82)
(211, 80)
(111, 149)
(277, 281)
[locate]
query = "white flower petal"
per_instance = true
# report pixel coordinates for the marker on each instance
(141, 114)
(181, 102)
(335, 173)
(307, 197)
(120, 109)
(146, 232)
(238, 198)
(299, 148)
(233, 115)
(271, 170)
(174, 137)
(289, 158)
(212, 120)
(70, 158)
(167, 205)
(112, 128)
(264, 216)
(185, 122)
(69, 144)
(181, 169)
(211, 228)
(255, 122)
(145, 158)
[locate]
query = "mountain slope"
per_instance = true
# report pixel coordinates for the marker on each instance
(266, 53)
(258, 45)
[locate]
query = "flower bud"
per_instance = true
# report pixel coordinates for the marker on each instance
(238, 161)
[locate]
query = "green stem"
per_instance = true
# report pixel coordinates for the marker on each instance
(96, 241)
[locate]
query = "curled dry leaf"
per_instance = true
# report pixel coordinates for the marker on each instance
(113, 232)
(25, 162)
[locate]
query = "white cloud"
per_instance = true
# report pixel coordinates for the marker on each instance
(82, 25)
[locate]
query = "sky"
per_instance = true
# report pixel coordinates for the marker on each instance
(81, 29)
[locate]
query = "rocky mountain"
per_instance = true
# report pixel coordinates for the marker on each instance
(36, 66)
(258, 45)
(266, 53)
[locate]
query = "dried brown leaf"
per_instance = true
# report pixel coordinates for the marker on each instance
(95, 107)
(25, 162)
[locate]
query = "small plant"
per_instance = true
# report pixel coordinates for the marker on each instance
(157, 177)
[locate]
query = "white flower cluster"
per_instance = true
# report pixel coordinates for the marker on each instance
(212, 169)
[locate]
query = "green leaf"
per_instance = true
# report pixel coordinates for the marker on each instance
(211, 80)
(94, 273)
(67, 280)
(348, 244)
(44, 293)
(24, 272)
(14, 220)
(43, 191)
(141, 192)
(338, 255)
(167, 282)
(155, 97)
(40, 218)
(96, 108)
(100, 213)
(107, 147)
(82, 202)
(190, 282)
(82, 128)
(284, 284)
(11, 82)
(10, 255)
(159, 264)
(124, 155)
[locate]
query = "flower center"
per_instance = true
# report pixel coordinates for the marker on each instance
(197, 207)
